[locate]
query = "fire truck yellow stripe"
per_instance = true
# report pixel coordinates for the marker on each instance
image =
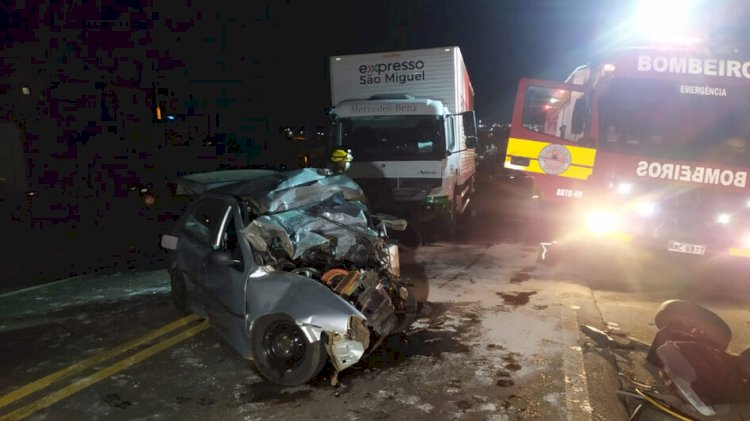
(582, 159)
(531, 149)
(574, 171)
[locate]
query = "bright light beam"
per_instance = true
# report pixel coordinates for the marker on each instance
(663, 19)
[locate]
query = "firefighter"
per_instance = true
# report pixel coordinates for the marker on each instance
(342, 160)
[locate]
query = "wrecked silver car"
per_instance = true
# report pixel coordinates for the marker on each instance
(290, 268)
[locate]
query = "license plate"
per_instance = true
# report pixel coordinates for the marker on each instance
(680, 247)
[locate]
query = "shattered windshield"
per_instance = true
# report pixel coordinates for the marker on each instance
(676, 120)
(394, 138)
(311, 218)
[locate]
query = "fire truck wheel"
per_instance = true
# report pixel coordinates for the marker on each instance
(696, 320)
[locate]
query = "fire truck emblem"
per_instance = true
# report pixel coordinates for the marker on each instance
(554, 159)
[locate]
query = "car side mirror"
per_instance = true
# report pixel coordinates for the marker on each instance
(471, 143)
(222, 258)
(169, 242)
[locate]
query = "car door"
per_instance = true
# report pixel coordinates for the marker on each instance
(196, 231)
(224, 273)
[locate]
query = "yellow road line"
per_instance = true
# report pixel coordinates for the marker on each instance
(37, 385)
(100, 375)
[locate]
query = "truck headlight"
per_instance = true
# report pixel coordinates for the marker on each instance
(602, 222)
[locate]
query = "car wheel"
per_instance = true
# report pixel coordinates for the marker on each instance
(694, 319)
(179, 292)
(283, 354)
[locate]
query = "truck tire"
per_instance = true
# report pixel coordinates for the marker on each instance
(410, 239)
(450, 230)
(691, 318)
(282, 353)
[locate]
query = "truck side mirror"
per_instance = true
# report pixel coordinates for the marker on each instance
(579, 116)
(470, 124)
(470, 129)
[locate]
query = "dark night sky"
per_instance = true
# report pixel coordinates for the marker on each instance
(501, 41)
(284, 45)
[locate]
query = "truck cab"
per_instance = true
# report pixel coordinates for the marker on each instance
(410, 154)
(411, 129)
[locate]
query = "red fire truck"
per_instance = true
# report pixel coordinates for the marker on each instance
(649, 148)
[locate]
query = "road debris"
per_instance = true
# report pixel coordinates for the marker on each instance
(516, 298)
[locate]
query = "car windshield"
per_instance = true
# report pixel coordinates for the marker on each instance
(394, 138)
(676, 120)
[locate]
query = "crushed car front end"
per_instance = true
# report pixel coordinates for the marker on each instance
(320, 280)
(317, 226)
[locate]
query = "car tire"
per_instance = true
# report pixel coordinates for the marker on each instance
(179, 293)
(282, 353)
(691, 318)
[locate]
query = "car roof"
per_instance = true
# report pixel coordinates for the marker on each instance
(270, 191)
(198, 183)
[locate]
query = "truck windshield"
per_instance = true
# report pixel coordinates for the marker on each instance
(394, 138)
(676, 120)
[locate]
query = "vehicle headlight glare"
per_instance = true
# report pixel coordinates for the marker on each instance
(624, 188)
(723, 218)
(646, 209)
(601, 222)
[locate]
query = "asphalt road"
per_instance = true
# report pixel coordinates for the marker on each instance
(498, 338)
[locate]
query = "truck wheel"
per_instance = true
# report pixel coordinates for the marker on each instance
(179, 292)
(411, 238)
(282, 353)
(694, 319)
(450, 230)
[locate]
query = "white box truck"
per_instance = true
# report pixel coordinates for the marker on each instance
(408, 119)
